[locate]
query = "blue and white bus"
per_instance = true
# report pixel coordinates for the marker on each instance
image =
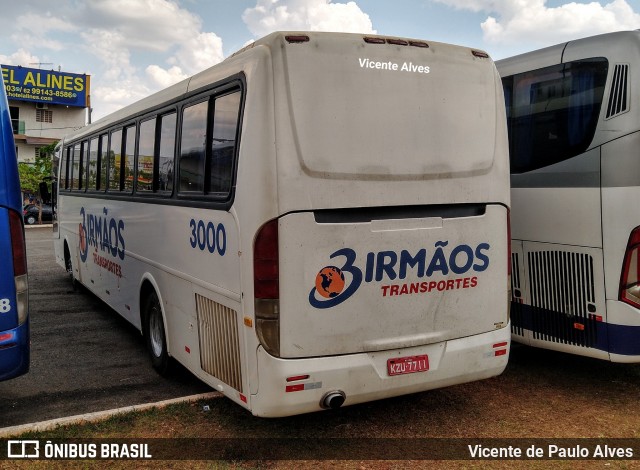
(14, 307)
(573, 112)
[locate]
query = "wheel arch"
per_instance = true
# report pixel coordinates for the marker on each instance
(149, 285)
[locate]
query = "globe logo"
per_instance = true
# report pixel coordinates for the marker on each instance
(83, 239)
(330, 282)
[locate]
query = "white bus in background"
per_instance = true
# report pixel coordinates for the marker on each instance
(319, 220)
(574, 128)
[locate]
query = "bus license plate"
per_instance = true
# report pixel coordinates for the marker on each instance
(408, 365)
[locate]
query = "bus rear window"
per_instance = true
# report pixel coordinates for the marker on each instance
(552, 112)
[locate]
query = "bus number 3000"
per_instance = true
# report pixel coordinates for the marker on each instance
(206, 235)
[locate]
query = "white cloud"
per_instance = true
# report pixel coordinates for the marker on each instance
(20, 57)
(147, 24)
(33, 28)
(314, 15)
(119, 33)
(511, 21)
(165, 77)
(37, 23)
(198, 52)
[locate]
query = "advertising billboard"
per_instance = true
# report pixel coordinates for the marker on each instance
(46, 86)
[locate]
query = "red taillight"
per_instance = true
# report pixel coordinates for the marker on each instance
(265, 262)
(630, 278)
(17, 244)
(6, 337)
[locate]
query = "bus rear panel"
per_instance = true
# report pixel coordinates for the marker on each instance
(391, 222)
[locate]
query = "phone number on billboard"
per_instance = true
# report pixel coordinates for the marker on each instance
(57, 93)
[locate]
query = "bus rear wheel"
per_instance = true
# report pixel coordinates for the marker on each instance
(155, 335)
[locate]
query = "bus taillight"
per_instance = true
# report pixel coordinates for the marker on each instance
(266, 287)
(19, 264)
(630, 279)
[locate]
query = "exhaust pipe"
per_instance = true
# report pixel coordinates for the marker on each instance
(333, 400)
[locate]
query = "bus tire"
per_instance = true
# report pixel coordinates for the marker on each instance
(30, 220)
(154, 332)
(69, 266)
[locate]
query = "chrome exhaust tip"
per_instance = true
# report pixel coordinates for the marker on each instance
(333, 400)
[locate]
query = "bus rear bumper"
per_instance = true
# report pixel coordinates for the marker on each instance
(364, 377)
(14, 352)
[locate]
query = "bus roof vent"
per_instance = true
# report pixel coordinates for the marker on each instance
(618, 102)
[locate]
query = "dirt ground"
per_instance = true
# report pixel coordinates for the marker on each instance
(542, 394)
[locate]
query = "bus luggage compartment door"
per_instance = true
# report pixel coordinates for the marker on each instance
(355, 283)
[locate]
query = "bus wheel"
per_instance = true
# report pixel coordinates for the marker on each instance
(69, 266)
(67, 259)
(155, 335)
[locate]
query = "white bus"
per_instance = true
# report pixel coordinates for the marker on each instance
(574, 129)
(319, 220)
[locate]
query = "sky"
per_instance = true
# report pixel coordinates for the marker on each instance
(132, 48)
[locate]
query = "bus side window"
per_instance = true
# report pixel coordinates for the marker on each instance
(192, 147)
(166, 152)
(115, 160)
(84, 165)
(64, 169)
(103, 159)
(225, 127)
(128, 163)
(146, 143)
(75, 171)
(92, 181)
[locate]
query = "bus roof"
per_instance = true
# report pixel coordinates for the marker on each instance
(235, 62)
(593, 46)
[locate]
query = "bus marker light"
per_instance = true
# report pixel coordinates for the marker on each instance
(6, 337)
(480, 54)
(578, 326)
(297, 39)
(243, 398)
(398, 42)
(372, 40)
(295, 378)
(248, 321)
(186, 348)
(500, 352)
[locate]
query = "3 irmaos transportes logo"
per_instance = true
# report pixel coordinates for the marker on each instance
(441, 268)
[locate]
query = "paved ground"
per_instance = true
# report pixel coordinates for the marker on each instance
(84, 357)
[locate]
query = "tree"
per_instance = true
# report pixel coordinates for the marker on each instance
(32, 174)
